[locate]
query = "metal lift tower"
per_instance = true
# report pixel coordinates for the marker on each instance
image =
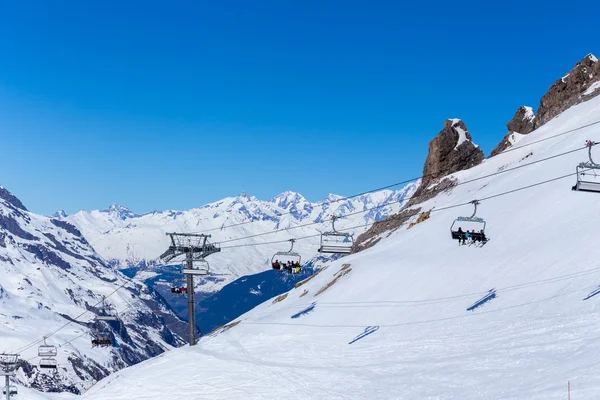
(195, 247)
(8, 363)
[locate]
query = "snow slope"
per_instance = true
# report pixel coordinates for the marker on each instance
(408, 298)
(128, 239)
(50, 276)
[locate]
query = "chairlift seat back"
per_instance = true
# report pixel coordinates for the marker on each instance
(107, 318)
(47, 351)
(48, 363)
(330, 249)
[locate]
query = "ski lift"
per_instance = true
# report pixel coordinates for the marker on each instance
(48, 363)
(336, 242)
(178, 287)
(47, 350)
(107, 312)
(101, 339)
(287, 259)
(179, 290)
(588, 173)
(479, 234)
(12, 390)
(199, 267)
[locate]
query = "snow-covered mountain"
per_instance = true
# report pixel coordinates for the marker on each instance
(394, 321)
(51, 284)
(128, 239)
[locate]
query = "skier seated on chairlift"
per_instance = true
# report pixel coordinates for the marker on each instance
(466, 237)
(461, 236)
(276, 265)
(483, 238)
(296, 267)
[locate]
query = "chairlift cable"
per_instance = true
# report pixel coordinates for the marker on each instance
(410, 180)
(407, 199)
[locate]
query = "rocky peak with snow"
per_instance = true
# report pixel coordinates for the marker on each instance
(450, 151)
(11, 199)
(580, 84)
(60, 214)
(120, 212)
(522, 123)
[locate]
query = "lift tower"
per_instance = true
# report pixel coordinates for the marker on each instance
(196, 248)
(8, 364)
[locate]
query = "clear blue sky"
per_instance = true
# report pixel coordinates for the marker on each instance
(170, 105)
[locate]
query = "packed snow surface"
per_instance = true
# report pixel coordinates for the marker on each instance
(391, 322)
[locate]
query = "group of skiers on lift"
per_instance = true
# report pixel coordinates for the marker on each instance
(472, 236)
(179, 290)
(291, 266)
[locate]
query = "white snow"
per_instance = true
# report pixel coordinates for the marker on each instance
(411, 292)
(529, 114)
(515, 137)
(593, 87)
(592, 57)
(462, 134)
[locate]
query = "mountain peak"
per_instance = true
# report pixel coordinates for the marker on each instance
(60, 214)
(120, 211)
(11, 198)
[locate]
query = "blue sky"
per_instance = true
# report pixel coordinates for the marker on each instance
(171, 105)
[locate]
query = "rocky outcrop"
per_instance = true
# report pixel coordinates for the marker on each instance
(580, 84)
(450, 151)
(522, 123)
(571, 89)
(375, 233)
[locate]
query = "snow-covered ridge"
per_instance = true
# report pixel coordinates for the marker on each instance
(130, 239)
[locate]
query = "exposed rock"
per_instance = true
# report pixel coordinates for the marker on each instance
(372, 236)
(10, 198)
(575, 87)
(426, 193)
(522, 123)
(450, 151)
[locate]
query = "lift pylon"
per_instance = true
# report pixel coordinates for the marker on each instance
(195, 247)
(8, 364)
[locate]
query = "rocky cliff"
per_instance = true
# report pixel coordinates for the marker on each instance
(522, 123)
(450, 151)
(580, 84)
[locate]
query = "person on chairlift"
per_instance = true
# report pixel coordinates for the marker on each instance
(461, 236)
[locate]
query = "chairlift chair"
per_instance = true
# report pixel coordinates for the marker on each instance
(107, 312)
(12, 390)
(477, 236)
(48, 363)
(178, 287)
(588, 173)
(336, 242)
(281, 258)
(101, 340)
(46, 350)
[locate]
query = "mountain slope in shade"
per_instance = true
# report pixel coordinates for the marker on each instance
(49, 276)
